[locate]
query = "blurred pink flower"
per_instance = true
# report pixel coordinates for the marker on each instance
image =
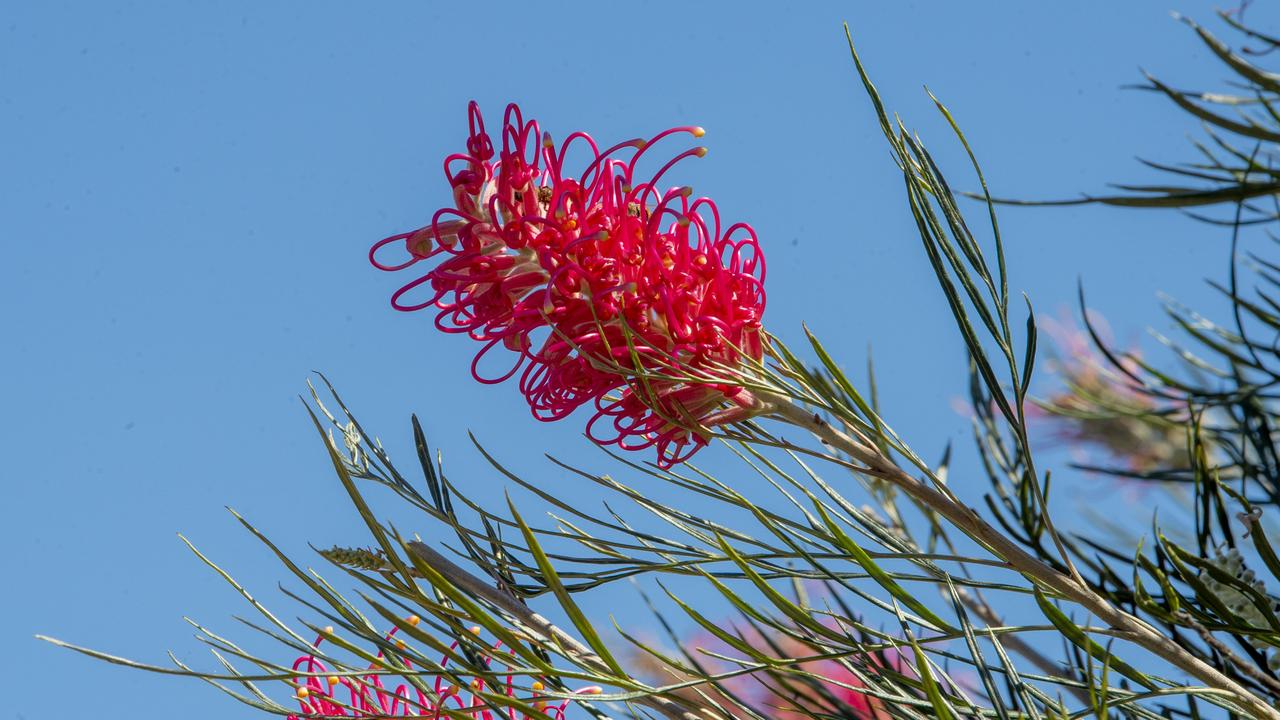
(1100, 406)
(832, 689)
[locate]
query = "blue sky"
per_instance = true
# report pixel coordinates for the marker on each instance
(189, 190)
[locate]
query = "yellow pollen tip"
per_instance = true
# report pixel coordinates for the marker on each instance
(546, 140)
(641, 144)
(698, 132)
(476, 684)
(593, 690)
(536, 686)
(451, 690)
(684, 221)
(475, 629)
(303, 692)
(413, 620)
(333, 680)
(328, 630)
(400, 644)
(700, 152)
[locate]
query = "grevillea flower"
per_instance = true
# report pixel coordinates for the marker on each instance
(323, 695)
(598, 286)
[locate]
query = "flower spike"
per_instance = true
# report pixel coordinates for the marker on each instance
(604, 289)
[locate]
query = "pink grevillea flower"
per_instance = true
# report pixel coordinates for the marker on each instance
(599, 287)
(367, 696)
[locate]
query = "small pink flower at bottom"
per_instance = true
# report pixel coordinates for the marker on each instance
(322, 695)
(591, 286)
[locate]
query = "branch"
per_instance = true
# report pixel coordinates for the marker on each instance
(967, 519)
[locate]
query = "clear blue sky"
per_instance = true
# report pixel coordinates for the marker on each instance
(188, 190)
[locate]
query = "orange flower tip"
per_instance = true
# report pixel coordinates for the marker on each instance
(413, 620)
(537, 686)
(400, 644)
(451, 690)
(476, 684)
(684, 221)
(333, 680)
(640, 145)
(475, 629)
(700, 151)
(546, 140)
(328, 630)
(303, 692)
(686, 191)
(626, 189)
(697, 131)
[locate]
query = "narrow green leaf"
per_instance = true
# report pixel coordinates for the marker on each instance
(552, 579)
(860, 556)
(1081, 640)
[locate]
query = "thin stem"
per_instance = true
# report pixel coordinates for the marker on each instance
(975, 602)
(477, 587)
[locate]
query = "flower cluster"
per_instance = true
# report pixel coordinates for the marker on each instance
(1102, 407)
(599, 288)
(1239, 604)
(323, 695)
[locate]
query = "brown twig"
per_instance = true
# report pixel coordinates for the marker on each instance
(1241, 664)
